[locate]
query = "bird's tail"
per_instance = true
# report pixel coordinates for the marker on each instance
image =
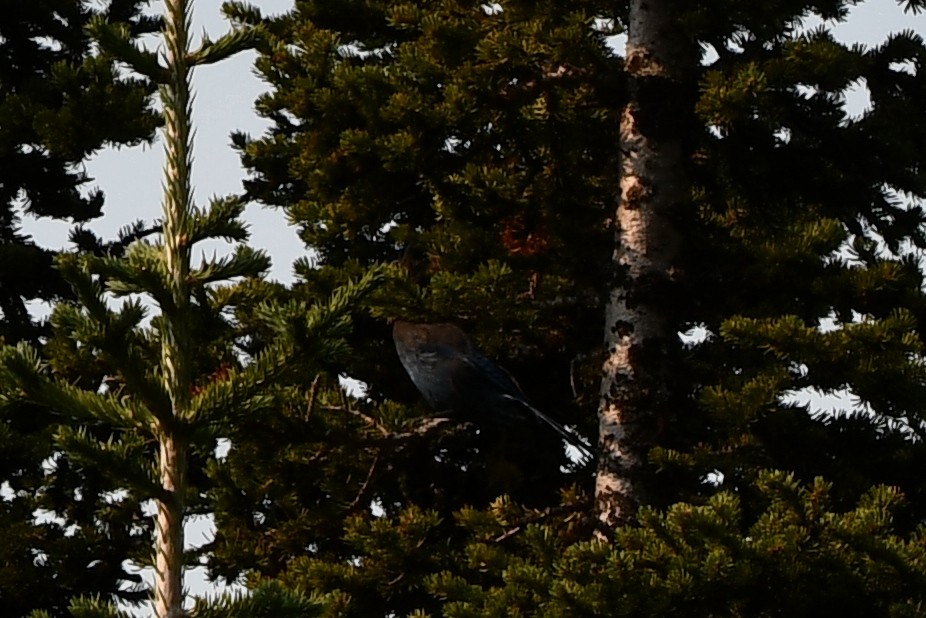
(575, 441)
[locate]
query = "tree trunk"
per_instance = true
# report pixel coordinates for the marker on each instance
(639, 332)
(168, 587)
(177, 347)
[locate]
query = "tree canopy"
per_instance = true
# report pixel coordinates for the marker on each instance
(488, 165)
(486, 137)
(59, 102)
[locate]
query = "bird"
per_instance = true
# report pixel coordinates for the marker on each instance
(454, 377)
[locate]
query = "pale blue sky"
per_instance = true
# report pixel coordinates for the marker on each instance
(131, 178)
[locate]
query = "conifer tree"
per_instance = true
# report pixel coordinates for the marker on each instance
(392, 127)
(179, 382)
(59, 102)
(484, 141)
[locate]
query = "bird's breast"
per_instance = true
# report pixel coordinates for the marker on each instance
(429, 371)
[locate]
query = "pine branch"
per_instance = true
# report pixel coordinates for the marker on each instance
(220, 220)
(229, 44)
(21, 372)
(123, 459)
(90, 607)
(574, 510)
(242, 13)
(238, 392)
(244, 262)
(269, 599)
(140, 271)
(116, 39)
(304, 333)
(118, 344)
(89, 291)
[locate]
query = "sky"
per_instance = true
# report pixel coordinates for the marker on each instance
(131, 177)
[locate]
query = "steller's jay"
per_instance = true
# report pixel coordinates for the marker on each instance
(453, 376)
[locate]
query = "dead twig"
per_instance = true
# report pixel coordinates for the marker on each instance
(366, 484)
(313, 396)
(572, 379)
(422, 427)
(367, 419)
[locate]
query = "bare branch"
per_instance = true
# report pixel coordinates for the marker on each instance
(366, 484)
(420, 428)
(313, 397)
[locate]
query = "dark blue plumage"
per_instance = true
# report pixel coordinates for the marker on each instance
(453, 376)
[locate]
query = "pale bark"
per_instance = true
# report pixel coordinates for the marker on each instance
(168, 566)
(635, 386)
(177, 338)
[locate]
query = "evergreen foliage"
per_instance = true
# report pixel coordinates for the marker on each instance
(799, 557)
(807, 276)
(484, 136)
(136, 405)
(485, 143)
(59, 103)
